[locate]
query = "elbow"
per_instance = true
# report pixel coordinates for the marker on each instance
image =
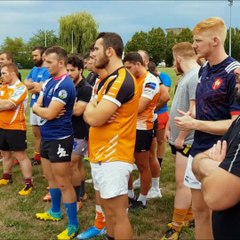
(167, 98)
(77, 113)
(164, 100)
(49, 116)
(91, 121)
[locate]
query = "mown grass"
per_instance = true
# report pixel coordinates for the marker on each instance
(17, 214)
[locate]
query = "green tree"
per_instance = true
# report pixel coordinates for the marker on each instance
(185, 36)
(138, 41)
(235, 43)
(43, 38)
(80, 29)
(171, 40)
(156, 45)
(19, 50)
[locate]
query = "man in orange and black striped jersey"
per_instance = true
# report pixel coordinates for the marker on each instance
(112, 115)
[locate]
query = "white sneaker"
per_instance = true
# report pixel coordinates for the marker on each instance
(154, 193)
(136, 183)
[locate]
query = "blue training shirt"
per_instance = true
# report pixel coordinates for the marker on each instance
(63, 90)
(215, 99)
(38, 74)
(166, 81)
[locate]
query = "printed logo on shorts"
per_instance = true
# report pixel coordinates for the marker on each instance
(62, 94)
(61, 151)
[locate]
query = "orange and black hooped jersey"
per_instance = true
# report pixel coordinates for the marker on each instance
(115, 141)
(14, 119)
(149, 88)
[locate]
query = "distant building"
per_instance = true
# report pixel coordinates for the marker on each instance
(174, 30)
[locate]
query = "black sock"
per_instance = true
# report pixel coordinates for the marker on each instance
(160, 161)
(77, 191)
(82, 189)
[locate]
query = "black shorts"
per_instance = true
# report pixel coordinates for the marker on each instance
(155, 128)
(57, 151)
(185, 151)
(13, 140)
(143, 140)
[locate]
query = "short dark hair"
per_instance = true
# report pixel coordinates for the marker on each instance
(39, 48)
(11, 68)
(152, 66)
(8, 54)
(61, 52)
(75, 61)
(111, 39)
(133, 57)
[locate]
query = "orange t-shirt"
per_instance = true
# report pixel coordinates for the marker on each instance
(149, 88)
(14, 119)
(115, 141)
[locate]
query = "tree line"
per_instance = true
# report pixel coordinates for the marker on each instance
(78, 31)
(159, 45)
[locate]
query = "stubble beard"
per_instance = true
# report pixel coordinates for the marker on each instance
(103, 62)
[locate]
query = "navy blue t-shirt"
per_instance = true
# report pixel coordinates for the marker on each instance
(215, 99)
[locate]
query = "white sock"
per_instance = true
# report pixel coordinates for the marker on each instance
(155, 183)
(143, 199)
(99, 209)
(131, 193)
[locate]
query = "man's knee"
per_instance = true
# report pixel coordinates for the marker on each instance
(21, 156)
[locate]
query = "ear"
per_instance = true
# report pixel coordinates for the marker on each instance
(109, 51)
(61, 62)
(138, 64)
(178, 59)
(216, 41)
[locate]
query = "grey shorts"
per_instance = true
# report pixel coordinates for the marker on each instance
(80, 146)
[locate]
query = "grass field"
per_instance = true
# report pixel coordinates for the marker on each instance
(17, 219)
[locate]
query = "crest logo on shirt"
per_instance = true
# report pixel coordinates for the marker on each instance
(62, 94)
(217, 84)
(151, 85)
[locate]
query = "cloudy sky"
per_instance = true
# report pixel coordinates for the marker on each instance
(24, 18)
